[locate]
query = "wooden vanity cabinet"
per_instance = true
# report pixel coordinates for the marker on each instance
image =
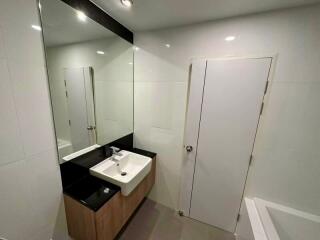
(86, 224)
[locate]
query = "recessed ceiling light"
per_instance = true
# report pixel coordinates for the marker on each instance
(230, 38)
(100, 52)
(81, 16)
(168, 45)
(127, 3)
(36, 27)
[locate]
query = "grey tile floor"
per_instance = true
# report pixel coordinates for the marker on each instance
(153, 221)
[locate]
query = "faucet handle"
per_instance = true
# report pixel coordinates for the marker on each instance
(114, 149)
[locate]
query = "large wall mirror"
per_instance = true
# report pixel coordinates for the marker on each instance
(90, 71)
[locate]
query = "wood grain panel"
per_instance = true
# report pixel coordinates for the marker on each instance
(109, 219)
(80, 220)
(106, 223)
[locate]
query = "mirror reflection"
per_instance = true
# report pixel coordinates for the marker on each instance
(90, 73)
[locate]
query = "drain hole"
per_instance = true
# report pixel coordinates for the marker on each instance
(123, 173)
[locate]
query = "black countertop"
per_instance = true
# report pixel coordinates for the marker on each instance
(90, 191)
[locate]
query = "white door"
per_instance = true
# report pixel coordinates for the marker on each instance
(232, 96)
(79, 92)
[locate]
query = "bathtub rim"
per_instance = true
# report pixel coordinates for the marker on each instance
(260, 219)
(62, 143)
(255, 220)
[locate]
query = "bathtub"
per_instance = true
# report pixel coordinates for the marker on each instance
(271, 221)
(64, 148)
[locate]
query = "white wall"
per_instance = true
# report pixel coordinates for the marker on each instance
(286, 166)
(113, 85)
(30, 185)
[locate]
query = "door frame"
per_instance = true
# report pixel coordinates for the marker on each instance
(191, 131)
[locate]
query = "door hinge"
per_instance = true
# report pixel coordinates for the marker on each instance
(261, 109)
(69, 122)
(266, 88)
(65, 83)
(66, 94)
(250, 160)
(238, 217)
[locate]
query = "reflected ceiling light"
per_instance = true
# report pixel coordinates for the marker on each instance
(136, 48)
(130, 63)
(39, 5)
(168, 45)
(81, 16)
(36, 27)
(127, 3)
(100, 52)
(230, 38)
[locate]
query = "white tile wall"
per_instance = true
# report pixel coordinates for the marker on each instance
(287, 160)
(9, 134)
(159, 123)
(31, 98)
(2, 49)
(287, 149)
(30, 185)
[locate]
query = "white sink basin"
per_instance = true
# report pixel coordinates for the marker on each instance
(127, 173)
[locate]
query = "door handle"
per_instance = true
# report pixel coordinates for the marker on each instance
(189, 148)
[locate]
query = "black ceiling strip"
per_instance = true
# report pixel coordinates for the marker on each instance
(100, 16)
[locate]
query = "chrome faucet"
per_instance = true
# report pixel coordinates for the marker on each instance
(115, 152)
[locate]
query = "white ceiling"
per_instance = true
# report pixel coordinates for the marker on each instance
(154, 14)
(61, 25)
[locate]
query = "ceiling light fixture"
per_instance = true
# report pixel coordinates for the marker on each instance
(36, 27)
(81, 16)
(127, 3)
(230, 38)
(100, 52)
(168, 45)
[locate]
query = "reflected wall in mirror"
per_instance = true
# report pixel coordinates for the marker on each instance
(90, 71)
